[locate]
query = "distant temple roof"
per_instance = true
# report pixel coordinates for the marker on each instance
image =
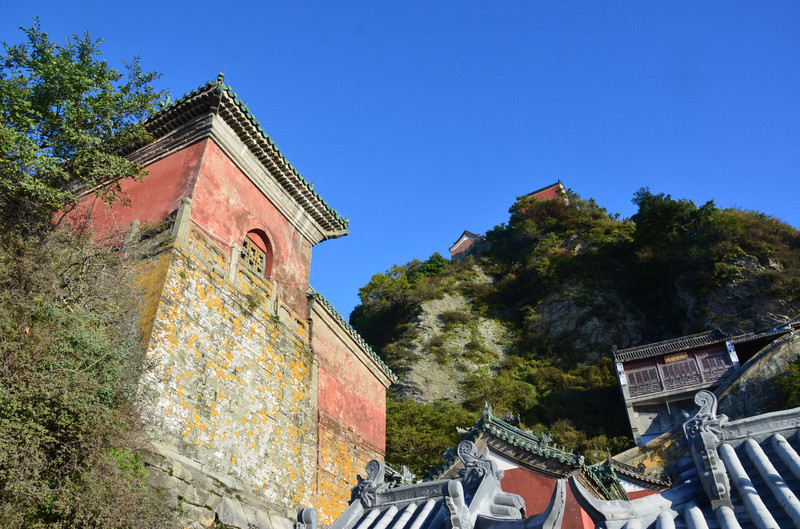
(547, 192)
(743, 473)
(219, 99)
(459, 248)
(694, 341)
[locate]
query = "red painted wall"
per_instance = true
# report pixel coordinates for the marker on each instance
(548, 194)
(228, 205)
(463, 247)
(348, 391)
(225, 204)
(537, 490)
(152, 198)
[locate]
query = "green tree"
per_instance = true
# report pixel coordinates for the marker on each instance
(70, 436)
(418, 434)
(434, 265)
(66, 117)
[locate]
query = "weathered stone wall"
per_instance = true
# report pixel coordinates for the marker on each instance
(342, 458)
(230, 394)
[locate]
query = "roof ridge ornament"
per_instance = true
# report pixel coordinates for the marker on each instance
(368, 488)
(704, 434)
(475, 468)
(455, 501)
(306, 517)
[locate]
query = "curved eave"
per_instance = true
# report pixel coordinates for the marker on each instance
(216, 98)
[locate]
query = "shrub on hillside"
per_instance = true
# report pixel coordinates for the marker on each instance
(68, 369)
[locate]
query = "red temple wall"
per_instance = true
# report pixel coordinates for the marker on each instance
(222, 187)
(537, 490)
(151, 198)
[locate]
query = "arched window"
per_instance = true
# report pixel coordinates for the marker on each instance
(256, 253)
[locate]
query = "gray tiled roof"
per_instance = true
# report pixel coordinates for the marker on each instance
(219, 98)
(742, 474)
(357, 337)
(670, 346)
(474, 500)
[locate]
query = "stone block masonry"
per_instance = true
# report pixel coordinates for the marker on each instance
(231, 389)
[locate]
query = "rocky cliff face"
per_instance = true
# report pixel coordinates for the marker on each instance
(452, 337)
(462, 342)
(530, 318)
(743, 305)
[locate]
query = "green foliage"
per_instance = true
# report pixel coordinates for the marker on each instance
(789, 385)
(65, 115)
(662, 221)
(69, 367)
(563, 249)
(417, 435)
(390, 299)
(69, 433)
(433, 266)
(452, 318)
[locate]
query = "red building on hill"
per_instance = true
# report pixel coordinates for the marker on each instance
(551, 192)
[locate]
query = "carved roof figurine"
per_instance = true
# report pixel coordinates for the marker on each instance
(472, 501)
(741, 474)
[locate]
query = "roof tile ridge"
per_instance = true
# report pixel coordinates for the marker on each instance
(344, 221)
(654, 348)
(219, 87)
(529, 441)
(354, 334)
(632, 471)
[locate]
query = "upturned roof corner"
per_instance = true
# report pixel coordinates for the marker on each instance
(217, 99)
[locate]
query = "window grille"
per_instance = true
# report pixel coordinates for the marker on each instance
(716, 366)
(644, 381)
(252, 257)
(679, 374)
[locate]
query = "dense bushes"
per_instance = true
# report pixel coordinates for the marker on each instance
(574, 249)
(68, 369)
(69, 435)
(417, 434)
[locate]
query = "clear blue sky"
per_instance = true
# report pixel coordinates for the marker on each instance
(419, 119)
